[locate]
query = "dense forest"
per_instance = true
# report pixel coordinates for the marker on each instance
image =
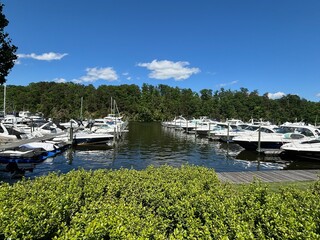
(61, 101)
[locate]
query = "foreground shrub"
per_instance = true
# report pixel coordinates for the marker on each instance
(156, 203)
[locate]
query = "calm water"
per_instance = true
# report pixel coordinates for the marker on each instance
(150, 144)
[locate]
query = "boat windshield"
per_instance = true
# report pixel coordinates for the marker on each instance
(302, 130)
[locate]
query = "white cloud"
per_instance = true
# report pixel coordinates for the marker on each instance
(94, 74)
(229, 83)
(276, 95)
(167, 69)
(127, 76)
(43, 57)
(77, 81)
(59, 80)
(318, 95)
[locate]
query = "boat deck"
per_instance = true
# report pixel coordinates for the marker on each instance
(269, 176)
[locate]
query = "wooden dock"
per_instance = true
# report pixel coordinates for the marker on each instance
(269, 176)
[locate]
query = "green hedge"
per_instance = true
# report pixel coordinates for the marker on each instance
(156, 203)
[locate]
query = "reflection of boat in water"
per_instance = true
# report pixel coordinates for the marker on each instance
(87, 147)
(302, 164)
(256, 156)
(228, 149)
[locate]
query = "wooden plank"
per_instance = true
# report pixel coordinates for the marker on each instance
(269, 176)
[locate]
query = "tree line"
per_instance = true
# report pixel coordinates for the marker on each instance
(62, 101)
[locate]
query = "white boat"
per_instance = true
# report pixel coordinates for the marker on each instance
(192, 125)
(90, 138)
(20, 160)
(11, 134)
(26, 156)
(230, 126)
(52, 148)
(302, 150)
(74, 123)
(285, 134)
(227, 136)
(48, 128)
(177, 122)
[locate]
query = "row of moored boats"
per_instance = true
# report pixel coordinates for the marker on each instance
(27, 141)
(293, 140)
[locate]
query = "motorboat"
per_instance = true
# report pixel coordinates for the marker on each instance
(302, 150)
(200, 123)
(177, 122)
(11, 134)
(26, 156)
(21, 158)
(90, 138)
(232, 126)
(226, 135)
(205, 127)
(52, 148)
(48, 128)
(285, 134)
(73, 123)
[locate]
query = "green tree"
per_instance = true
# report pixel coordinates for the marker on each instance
(7, 49)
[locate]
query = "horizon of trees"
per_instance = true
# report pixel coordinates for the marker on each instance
(61, 101)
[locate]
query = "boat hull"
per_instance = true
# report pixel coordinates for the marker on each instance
(92, 140)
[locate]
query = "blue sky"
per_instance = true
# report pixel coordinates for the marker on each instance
(267, 45)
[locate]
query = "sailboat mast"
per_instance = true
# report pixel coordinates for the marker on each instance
(111, 108)
(4, 99)
(81, 108)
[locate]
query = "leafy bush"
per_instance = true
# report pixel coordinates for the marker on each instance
(156, 203)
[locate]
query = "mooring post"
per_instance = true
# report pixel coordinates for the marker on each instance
(195, 129)
(228, 133)
(71, 133)
(187, 130)
(259, 139)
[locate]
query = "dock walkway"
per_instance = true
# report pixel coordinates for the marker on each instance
(269, 176)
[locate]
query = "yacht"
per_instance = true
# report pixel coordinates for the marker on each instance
(11, 134)
(176, 123)
(92, 138)
(285, 134)
(226, 135)
(302, 150)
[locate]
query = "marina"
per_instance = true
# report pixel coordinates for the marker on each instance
(146, 144)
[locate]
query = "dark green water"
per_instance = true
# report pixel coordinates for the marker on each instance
(151, 144)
